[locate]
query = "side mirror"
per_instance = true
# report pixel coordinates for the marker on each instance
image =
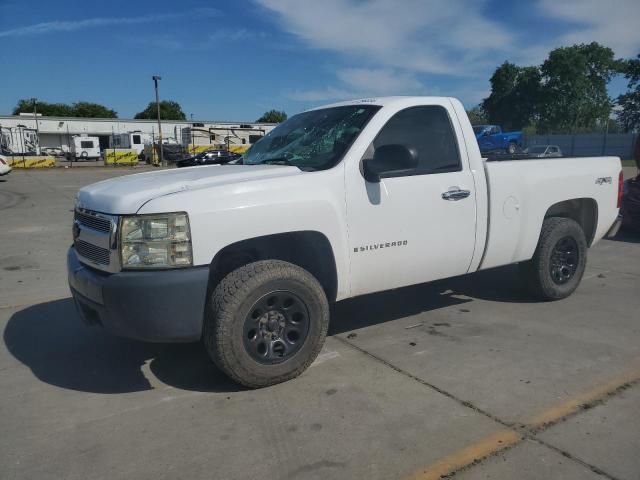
(390, 161)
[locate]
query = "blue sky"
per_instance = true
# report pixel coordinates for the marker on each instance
(232, 60)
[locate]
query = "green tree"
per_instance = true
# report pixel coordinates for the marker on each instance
(515, 96)
(629, 116)
(574, 87)
(46, 109)
(92, 110)
(477, 116)
(272, 116)
(169, 110)
(78, 109)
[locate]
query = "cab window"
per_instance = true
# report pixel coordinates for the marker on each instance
(427, 130)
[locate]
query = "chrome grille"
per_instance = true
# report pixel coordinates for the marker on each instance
(92, 221)
(91, 252)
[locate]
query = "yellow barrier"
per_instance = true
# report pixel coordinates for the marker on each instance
(120, 157)
(32, 162)
(151, 154)
(195, 149)
(238, 148)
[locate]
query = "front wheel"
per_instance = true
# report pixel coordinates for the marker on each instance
(559, 261)
(266, 323)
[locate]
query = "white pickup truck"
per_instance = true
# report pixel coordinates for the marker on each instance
(338, 201)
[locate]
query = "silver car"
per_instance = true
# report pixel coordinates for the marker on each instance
(544, 151)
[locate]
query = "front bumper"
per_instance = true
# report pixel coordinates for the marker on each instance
(155, 306)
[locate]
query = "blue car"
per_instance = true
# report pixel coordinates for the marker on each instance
(491, 138)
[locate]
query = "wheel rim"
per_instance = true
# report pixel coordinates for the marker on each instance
(564, 260)
(276, 327)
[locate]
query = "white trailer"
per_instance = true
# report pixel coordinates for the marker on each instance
(131, 140)
(85, 148)
(19, 140)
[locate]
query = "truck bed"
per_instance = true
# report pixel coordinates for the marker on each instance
(522, 190)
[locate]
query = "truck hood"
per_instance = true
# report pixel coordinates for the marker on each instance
(126, 195)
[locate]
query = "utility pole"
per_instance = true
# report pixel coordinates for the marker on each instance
(21, 130)
(155, 82)
(35, 116)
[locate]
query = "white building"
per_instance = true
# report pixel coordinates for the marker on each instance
(58, 131)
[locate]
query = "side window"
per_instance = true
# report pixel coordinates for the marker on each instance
(428, 130)
(137, 140)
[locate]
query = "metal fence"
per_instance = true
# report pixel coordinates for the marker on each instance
(589, 144)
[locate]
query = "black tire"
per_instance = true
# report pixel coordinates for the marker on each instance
(512, 148)
(239, 299)
(559, 261)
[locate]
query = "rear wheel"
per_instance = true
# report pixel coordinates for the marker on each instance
(559, 261)
(512, 148)
(266, 323)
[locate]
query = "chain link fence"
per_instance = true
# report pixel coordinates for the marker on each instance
(588, 144)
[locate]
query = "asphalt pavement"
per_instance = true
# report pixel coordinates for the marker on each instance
(466, 377)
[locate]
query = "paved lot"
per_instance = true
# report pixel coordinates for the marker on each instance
(465, 375)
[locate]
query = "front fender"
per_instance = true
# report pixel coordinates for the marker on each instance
(223, 215)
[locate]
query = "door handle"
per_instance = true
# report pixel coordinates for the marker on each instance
(455, 193)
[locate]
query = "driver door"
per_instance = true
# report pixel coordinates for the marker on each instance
(407, 229)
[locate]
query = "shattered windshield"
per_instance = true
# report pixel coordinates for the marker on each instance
(314, 140)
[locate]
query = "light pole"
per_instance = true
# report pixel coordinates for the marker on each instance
(35, 117)
(155, 82)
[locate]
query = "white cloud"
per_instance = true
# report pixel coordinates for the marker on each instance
(379, 81)
(391, 46)
(438, 37)
(161, 42)
(362, 82)
(237, 35)
(87, 23)
(320, 95)
(613, 23)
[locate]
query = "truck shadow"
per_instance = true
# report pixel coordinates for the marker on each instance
(626, 236)
(497, 285)
(51, 340)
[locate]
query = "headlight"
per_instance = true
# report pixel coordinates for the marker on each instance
(155, 241)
